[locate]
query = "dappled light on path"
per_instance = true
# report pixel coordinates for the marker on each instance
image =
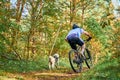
(60, 74)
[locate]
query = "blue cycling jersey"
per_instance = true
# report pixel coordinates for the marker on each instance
(75, 33)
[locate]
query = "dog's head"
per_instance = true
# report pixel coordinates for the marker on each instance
(56, 56)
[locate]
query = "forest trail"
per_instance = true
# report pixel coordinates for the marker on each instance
(43, 75)
(55, 76)
(62, 74)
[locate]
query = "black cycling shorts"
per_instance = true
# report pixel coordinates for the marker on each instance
(74, 41)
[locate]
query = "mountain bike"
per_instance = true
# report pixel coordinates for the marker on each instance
(80, 59)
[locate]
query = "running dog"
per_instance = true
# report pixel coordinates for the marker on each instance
(53, 61)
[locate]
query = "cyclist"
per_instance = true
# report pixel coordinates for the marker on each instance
(74, 37)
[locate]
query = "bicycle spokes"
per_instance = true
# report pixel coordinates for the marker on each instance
(75, 61)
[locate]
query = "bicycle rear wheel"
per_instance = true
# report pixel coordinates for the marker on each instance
(88, 58)
(76, 66)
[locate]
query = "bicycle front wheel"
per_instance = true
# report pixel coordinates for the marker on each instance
(88, 58)
(76, 66)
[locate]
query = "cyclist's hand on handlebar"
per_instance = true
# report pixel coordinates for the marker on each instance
(89, 39)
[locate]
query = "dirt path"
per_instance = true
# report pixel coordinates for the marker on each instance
(57, 75)
(65, 74)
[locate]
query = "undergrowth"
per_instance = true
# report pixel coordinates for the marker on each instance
(106, 70)
(23, 66)
(109, 69)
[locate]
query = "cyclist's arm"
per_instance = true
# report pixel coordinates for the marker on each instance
(86, 33)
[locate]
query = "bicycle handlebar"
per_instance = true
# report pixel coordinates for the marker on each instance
(87, 40)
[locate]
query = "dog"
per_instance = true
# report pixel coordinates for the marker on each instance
(53, 61)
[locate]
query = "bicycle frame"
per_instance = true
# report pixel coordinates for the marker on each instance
(82, 57)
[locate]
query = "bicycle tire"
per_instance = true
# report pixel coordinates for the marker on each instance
(76, 67)
(88, 58)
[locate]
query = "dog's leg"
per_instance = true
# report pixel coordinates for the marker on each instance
(49, 65)
(53, 65)
(56, 64)
(50, 62)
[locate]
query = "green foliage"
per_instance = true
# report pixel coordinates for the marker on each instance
(29, 66)
(51, 9)
(115, 41)
(102, 34)
(64, 62)
(108, 70)
(94, 27)
(2, 47)
(14, 25)
(23, 66)
(37, 32)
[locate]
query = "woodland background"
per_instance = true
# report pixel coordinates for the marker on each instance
(31, 30)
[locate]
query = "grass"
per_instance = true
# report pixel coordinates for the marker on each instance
(11, 68)
(23, 66)
(109, 69)
(28, 66)
(106, 70)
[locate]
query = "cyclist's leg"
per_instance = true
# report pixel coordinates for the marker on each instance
(73, 43)
(82, 48)
(82, 44)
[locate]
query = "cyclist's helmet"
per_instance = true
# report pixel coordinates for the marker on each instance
(75, 26)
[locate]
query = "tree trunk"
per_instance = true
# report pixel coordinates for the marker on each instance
(19, 10)
(72, 11)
